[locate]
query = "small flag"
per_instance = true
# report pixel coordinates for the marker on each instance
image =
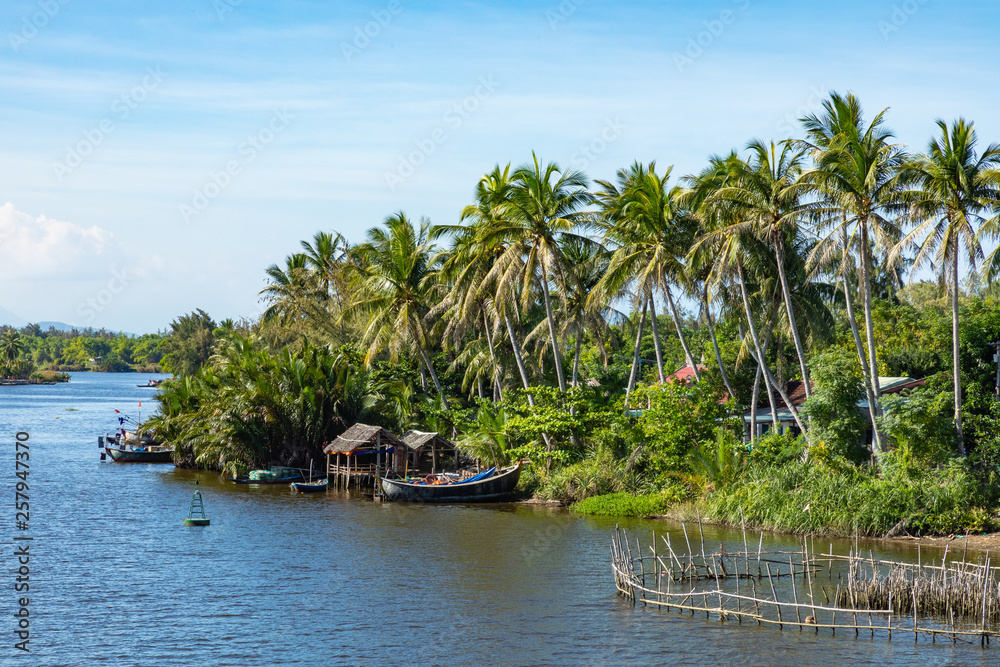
(118, 412)
(140, 404)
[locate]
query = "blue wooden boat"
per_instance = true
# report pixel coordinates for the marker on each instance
(489, 486)
(311, 487)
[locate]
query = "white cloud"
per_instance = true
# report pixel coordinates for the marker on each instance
(43, 248)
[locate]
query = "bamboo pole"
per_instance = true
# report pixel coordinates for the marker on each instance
(795, 596)
(774, 595)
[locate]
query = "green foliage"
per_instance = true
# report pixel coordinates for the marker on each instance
(721, 463)
(678, 417)
(834, 418)
(985, 428)
(250, 408)
(486, 438)
(190, 343)
(775, 449)
(626, 504)
(919, 422)
(809, 497)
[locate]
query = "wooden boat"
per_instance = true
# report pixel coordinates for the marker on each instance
(311, 487)
(273, 480)
(493, 487)
(284, 476)
(135, 449)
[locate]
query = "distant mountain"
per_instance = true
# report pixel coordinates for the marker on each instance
(10, 319)
(58, 326)
(16, 321)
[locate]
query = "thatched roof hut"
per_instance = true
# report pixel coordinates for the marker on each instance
(421, 442)
(417, 440)
(361, 437)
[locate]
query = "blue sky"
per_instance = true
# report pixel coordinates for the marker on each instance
(156, 159)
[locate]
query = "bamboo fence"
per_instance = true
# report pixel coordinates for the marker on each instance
(943, 599)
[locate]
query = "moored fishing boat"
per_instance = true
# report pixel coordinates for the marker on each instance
(490, 486)
(276, 475)
(127, 447)
(318, 486)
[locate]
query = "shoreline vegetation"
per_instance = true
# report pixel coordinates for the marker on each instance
(33, 353)
(645, 344)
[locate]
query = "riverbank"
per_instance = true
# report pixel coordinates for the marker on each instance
(689, 513)
(982, 542)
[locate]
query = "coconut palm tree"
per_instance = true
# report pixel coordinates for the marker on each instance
(286, 287)
(394, 265)
(477, 289)
(586, 264)
(643, 220)
(12, 346)
(858, 173)
(764, 197)
(737, 255)
(542, 208)
(955, 188)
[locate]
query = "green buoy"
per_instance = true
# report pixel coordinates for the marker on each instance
(196, 515)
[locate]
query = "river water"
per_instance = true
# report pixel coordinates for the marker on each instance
(283, 579)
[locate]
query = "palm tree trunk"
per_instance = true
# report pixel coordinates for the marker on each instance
(956, 365)
(753, 405)
(780, 253)
(524, 373)
(430, 369)
(771, 403)
(552, 329)
(600, 345)
(635, 356)
(680, 334)
(656, 337)
(576, 355)
(517, 356)
(866, 295)
(866, 375)
(715, 342)
(760, 356)
(497, 393)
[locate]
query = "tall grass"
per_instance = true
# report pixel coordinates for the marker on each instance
(890, 499)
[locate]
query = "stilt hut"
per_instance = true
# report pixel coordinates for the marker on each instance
(419, 443)
(360, 454)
